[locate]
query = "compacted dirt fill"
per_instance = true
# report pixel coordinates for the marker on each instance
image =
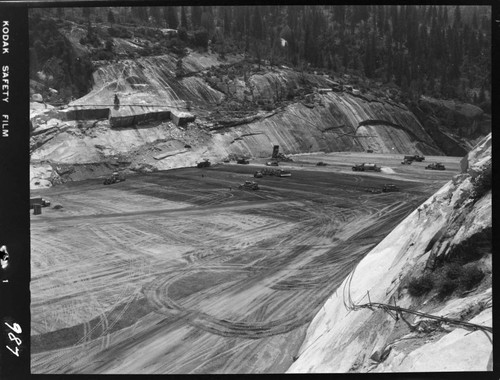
(182, 272)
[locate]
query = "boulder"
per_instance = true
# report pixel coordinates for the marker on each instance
(37, 98)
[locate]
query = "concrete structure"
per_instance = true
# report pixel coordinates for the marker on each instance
(182, 118)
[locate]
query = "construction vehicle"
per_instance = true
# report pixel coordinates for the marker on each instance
(321, 163)
(258, 174)
(39, 201)
(366, 167)
(282, 173)
(388, 187)
(276, 172)
(406, 162)
(435, 166)
(249, 185)
(272, 163)
(243, 161)
(203, 164)
(414, 157)
(115, 177)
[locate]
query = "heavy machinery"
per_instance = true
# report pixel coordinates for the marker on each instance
(366, 167)
(321, 163)
(115, 177)
(414, 157)
(435, 166)
(272, 163)
(203, 164)
(406, 162)
(39, 201)
(249, 185)
(243, 161)
(282, 173)
(388, 187)
(258, 174)
(276, 172)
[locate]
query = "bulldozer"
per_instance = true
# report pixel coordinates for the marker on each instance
(435, 166)
(115, 177)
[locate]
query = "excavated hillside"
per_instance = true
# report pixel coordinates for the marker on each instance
(165, 120)
(421, 300)
(174, 111)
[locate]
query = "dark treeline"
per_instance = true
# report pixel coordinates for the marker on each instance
(442, 51)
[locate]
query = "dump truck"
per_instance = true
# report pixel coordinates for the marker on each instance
(389, 187)
(243, 161)
(321, 163)
(366, 167)
(406, 162)
(414, 157)
(435, 166)
(249, 185)
(115, 177)
(203, 164)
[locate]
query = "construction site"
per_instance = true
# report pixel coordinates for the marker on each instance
(197, 208)
(202, 276)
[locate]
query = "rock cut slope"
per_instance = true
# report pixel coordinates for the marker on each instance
(237, 107)
(437, 262)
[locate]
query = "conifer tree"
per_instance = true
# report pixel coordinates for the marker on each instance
(184, 22)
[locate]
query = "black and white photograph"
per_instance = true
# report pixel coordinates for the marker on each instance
(256, 189)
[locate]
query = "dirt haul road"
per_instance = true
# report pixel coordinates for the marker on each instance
(173, 272)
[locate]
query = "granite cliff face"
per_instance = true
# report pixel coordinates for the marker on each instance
(195, 107)
(436, 262)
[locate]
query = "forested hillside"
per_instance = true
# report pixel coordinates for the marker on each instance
(440, 51)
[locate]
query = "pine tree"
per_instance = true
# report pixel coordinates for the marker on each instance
(196, 16)
(111, 17)
(474, 20)
(257, 27)
(170, 14)
(156, 14)
(184, 22)
(227, 20)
